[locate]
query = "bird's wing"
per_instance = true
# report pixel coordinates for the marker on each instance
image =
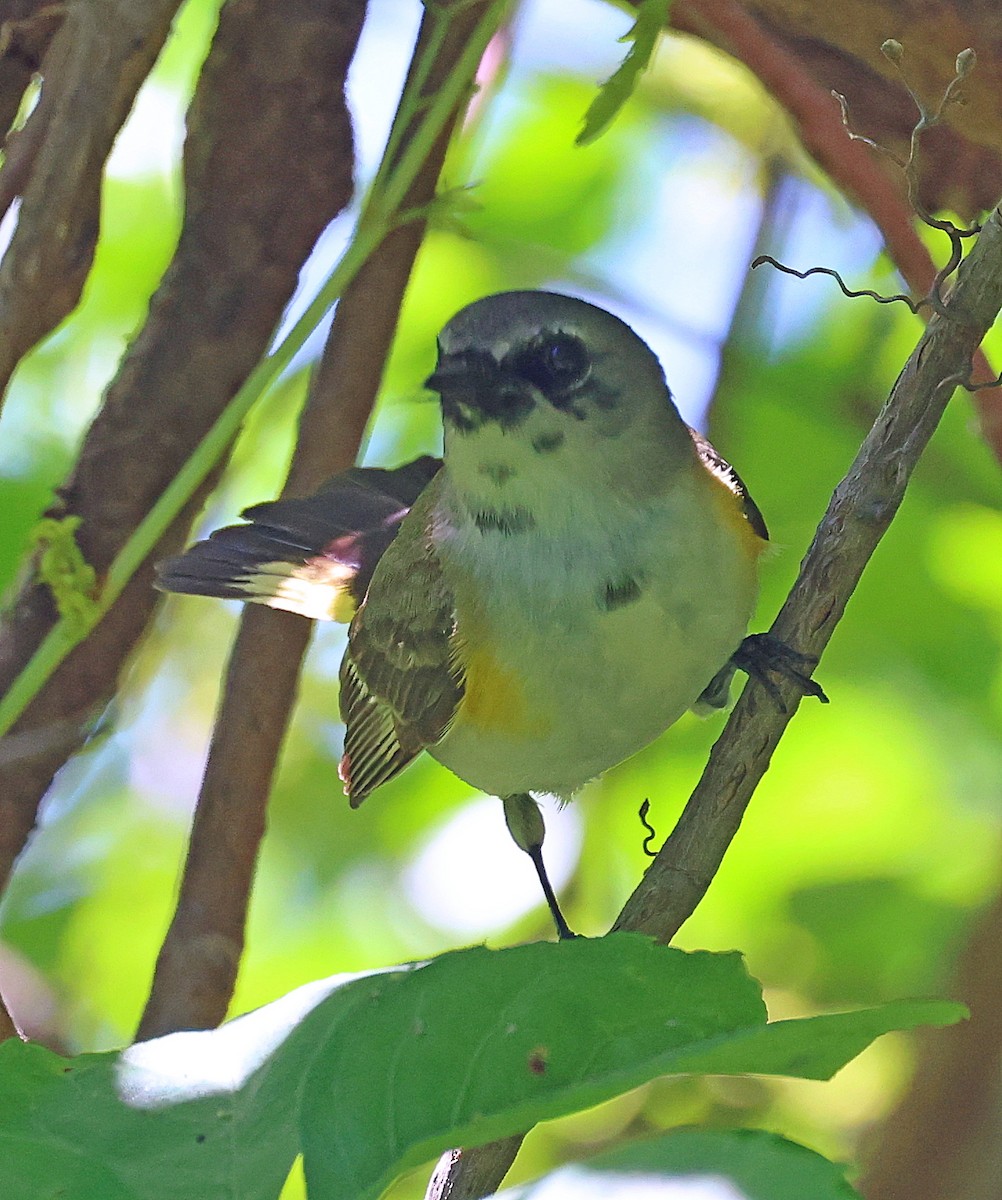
(724, 471)
(401, 679)
(312, 556)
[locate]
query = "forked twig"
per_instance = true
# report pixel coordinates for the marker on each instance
(928, 118)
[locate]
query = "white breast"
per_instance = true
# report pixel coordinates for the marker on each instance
(599, 680)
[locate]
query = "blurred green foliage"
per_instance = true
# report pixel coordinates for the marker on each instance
(875, 835)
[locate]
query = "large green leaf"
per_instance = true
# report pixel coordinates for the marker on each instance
(369, 1075)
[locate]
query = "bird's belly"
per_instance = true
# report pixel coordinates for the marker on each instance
(567, 693)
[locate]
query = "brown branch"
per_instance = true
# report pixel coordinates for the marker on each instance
(941, 1141)
(197, 966)
(859, 513)
(95, 63)
(267, 165)
(851, 166)
(7, 1027)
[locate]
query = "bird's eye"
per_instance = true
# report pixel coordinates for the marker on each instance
(555, 362)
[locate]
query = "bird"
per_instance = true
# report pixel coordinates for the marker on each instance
(577, 571)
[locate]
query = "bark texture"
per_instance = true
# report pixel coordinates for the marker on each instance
(268, 163)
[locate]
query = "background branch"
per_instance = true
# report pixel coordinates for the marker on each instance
(856, 170)
(267, 165)
(197, 967)
(92, 70)
(955, 1092)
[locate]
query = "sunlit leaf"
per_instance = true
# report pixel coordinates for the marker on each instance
(652, 15)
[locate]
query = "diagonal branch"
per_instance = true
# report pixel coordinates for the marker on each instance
(858, 515)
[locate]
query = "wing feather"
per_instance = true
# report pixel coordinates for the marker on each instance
(401, 681)
(314, 555)
(719, 465)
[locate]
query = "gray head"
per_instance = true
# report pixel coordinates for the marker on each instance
(538, 373)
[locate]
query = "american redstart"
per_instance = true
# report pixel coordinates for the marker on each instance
(577, 571)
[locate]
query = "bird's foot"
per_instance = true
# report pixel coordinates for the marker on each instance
(525, 824)
(761, 656)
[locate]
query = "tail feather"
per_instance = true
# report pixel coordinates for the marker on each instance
(312, 556)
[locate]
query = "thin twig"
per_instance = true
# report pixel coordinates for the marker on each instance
(852, 293)
(929, 118)
(849, 166)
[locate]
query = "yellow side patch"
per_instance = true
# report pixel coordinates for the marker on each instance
(344, 607)
(494, 699)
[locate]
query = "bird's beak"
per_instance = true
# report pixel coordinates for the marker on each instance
(466, 370)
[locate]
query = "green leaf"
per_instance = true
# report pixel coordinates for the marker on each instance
(757, 1166)
(812, 1047)
(652, 16)
(370, 1075)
